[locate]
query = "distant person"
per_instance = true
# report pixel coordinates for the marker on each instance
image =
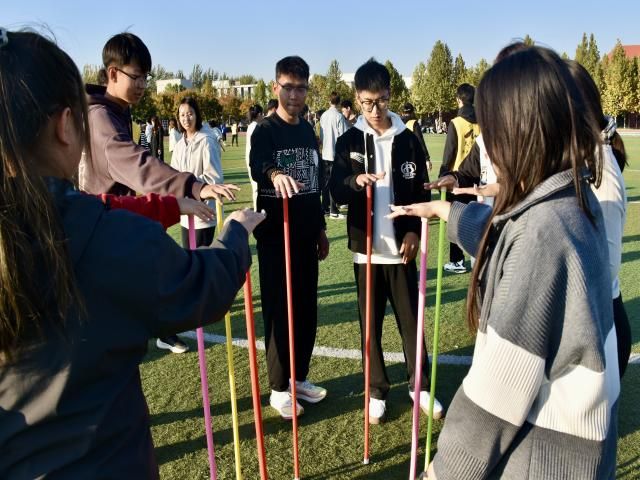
(116, 164)
(332, 125)
(148, 131)
(284, 162)
(197, 152)
(410, 120)
(394, 166)
(272, 106)
(234, 133)
(461, 136)
(255, 117)
(347, 110)
(174, 134)
(143, 141)
(223, 131)
(157, 138)
(218, 136)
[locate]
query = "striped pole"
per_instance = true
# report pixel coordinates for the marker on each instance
(436, 333)
(231, 369)
(424, 246)
(203, 376)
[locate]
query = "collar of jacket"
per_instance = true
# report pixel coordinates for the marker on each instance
(549, 187)
(468, 112)
(96, 96)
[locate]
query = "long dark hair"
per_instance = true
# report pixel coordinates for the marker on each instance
(534, 124)
(592, 99)
(32, 242)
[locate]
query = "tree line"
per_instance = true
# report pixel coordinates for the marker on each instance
(432, 92)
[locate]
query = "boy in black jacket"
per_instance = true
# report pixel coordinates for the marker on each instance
(284, 162)
(380, 151)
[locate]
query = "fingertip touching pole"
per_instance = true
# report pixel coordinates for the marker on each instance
(436, 333)
(417, 387)
(204, 381)
(231, 369)
(253, 371)
(367, 336)
(292, 353)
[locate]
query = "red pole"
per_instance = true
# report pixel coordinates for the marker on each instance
(255, 383)
(367, 336)
(292, 353)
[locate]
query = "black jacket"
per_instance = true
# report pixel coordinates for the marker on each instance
(451, 143)
(407, 186)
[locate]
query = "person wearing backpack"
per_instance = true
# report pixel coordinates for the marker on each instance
(461, 136)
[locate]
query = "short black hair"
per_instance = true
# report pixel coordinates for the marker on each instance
(293, 65)
(254, 111)
(124, 49)
(334, 98)
(271, 104)
(372, 76)
(465, 93)
(347, 104)
(193, 104)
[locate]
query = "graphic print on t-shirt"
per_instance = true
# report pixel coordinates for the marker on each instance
(301, 164)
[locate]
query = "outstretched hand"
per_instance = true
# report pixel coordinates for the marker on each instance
(365, 179)
(286, 186)
(218, 191)
(189, 206)
(248, 218)
(437, 208)
(447, 181)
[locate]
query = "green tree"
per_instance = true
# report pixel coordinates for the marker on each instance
(197, 77)
(333, 83)
(161, 73)
(419, 89)
(460, 71)
(90, 74)
(588, 55)
(260, 94)
(475, 74)
(247, 79)
(619, 94)
(165, 105)
(231, 107)
(582, 50)
(399, 92)
(145, 108)
(528, 41)
(316, 98)
(440, 91)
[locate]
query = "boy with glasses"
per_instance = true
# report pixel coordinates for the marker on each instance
(284, 161)
(380, 151)
(117, 165)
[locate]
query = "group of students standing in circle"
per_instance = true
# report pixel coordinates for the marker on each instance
(86, 283)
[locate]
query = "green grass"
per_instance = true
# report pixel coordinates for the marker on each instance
(331, 432)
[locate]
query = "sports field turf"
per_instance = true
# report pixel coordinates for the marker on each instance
(331, 432)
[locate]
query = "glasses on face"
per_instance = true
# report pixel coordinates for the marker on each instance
(367, 105)
(288, 88)
(139, 79)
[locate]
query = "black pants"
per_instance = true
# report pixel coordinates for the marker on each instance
(623, 333)
(456, 254)
(273, 291)
(204, 236)
(234, 138)
(328, 203)
(399, 284)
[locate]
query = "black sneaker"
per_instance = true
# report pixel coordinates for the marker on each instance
(172, 343)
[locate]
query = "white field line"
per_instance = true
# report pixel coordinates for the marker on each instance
(352, 354)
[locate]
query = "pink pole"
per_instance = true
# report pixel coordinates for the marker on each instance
(203, 376)
(424, 250)
(367, 329)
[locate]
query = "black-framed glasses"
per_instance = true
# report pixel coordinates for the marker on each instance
(382, 103)
(301, 89)
(144, 79)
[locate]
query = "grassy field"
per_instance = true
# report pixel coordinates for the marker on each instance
(331, 432)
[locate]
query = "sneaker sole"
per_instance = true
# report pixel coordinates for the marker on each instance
(301, 396)
(455, 271)
(173, 349)
(288, 417)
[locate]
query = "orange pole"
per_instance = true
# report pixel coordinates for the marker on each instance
(292, 353)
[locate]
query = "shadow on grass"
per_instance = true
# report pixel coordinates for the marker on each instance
(633, 198)
(630, 238)
(629, 469)
(630, 256)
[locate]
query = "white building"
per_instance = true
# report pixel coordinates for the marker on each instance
(224, 87)
(162, 85)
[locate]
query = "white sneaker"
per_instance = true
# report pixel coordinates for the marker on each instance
(309, 392)
(281, 402)
(455, 267)
(438, 411)
(377, 411)
(172, 343)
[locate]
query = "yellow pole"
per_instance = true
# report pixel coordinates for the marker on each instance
(232, 374)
